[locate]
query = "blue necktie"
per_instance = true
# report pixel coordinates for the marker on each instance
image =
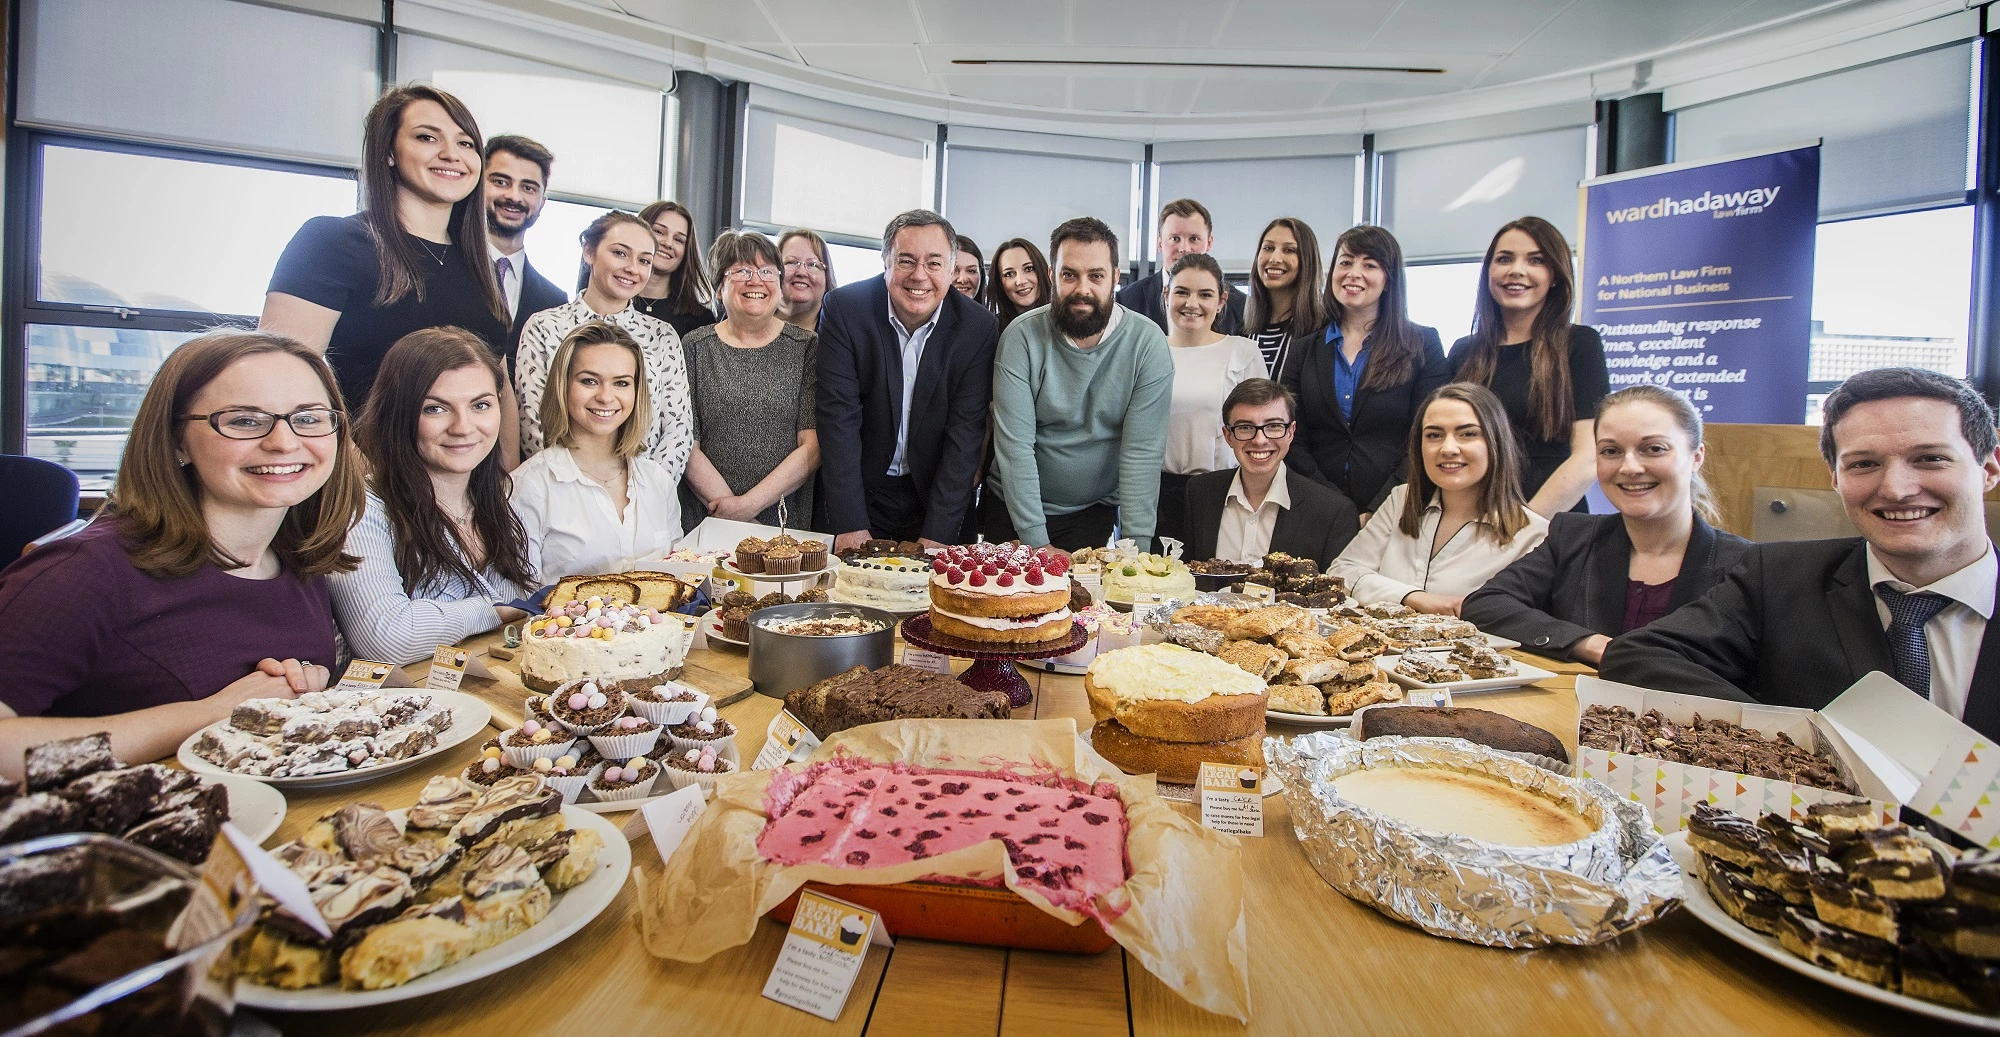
(1909, 646)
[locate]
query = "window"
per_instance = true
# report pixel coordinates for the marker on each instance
(992, 196)
(1442, 296)
(803, 173)
(1243, 195)
(116, 288)
(553, 245)
(1447, 200)
(852, 263)
(1889, 291)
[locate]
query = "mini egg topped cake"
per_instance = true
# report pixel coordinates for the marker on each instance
(610, 642)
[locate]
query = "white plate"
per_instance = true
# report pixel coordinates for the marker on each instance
(1493, 641)
(1523, 676)
(254, 807)
(1695, 895)
(572, 911)
(711, 624)
(729, 565)
(469, 716)
(1278, 716)
(1414, 697)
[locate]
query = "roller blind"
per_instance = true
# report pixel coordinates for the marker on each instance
(605, 133)
(1895, 132)
(205, 73)
(801, 172)
(991, 195)
(1447, 200)
(1245, 194)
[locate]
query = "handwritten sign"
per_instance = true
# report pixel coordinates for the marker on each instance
(1232, 798)
(822, 954)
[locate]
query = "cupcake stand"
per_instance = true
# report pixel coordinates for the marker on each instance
(993, 667)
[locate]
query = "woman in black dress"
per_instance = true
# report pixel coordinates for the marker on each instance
(1360, 380)
(415, 255)
(678, 291)
(1548, 372)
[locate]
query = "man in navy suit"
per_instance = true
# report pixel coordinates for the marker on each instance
(1913, 453)
(905, 380)
(517, 183)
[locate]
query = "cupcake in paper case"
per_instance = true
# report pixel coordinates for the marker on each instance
(703, 729)
(667, 704)
(490, 767)
(536, 708)
(532, 741)
(697, 767)
(565, 774)
(632, 779)
(585, 708)
(626, 737)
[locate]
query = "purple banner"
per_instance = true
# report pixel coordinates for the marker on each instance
(1700, 280)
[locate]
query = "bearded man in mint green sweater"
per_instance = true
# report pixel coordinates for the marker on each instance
(1082, 389)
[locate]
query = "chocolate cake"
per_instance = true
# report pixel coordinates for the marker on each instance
(858, 696)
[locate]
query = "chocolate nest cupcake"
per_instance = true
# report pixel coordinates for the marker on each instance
(585, 708)
(632, 779)
(490, 767)
(812, 555)
(782, 560)
(750, 554)
(735, 622)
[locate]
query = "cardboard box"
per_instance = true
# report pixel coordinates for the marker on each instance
(1671, 790)
(1943, 769)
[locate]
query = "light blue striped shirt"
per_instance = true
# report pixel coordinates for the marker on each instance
(383, 623)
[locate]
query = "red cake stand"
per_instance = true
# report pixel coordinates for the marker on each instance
(993, 668)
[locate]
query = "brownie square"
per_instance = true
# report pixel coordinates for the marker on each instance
(36, 815)
(51, 765)
(113, 800)
(33, 885)
(185, 834)
(211, 800)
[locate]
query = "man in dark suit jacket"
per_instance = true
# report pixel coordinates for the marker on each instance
(1912, 452)
(1184, 227)
(1243, 513)
(517, 180)
(900, 448)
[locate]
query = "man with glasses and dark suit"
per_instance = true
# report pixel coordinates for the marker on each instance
(1240, 515)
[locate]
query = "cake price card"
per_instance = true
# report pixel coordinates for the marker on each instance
(823, 953)
(449, 666)
(1232, 798)
(918, 659)
(364, 674)
(785, 741)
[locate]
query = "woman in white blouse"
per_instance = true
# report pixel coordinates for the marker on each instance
(1461, 517)
(441, 552)
(591, 501)
(617, 258)
(1207, 365)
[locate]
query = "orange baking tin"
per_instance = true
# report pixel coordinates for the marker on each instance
(963, 914)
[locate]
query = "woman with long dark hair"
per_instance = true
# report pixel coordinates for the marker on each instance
(1460, 518)
(202, 583)
(1360, 380)
(441, 551)
(678, 291)
(1020, 280)
(415, 256)
(1599, 576)
(1286, 307)
(1548, 372)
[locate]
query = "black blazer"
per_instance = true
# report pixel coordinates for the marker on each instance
(538, 293)
(1573, 585)
(1146, 296)
(1318, 525)
(861, 406)
(1794, 625)
(1363, 458)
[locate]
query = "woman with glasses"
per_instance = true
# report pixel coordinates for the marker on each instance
(618, 250)
(677, 292)
(202, 582)
(441, 551)
(1207, 365)
(592, 501)
(755, 390)
(1458, 520)
(808, 270)
(1241, 513)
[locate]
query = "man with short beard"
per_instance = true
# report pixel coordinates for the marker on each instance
(1082, 389)
(517, 182)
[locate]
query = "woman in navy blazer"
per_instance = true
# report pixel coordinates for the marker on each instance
(1599, 576)
(1360, 380)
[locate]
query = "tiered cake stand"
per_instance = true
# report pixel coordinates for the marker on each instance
(993, 666)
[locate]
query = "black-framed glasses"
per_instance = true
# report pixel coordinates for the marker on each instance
(1244, 432)
(251, 423)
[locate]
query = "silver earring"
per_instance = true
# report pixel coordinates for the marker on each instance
(183, 461)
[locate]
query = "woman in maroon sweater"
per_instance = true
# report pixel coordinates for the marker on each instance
(203, 581)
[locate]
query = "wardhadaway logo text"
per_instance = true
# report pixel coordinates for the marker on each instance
(1730, 203)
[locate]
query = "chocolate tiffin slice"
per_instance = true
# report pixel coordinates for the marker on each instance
(514, 798)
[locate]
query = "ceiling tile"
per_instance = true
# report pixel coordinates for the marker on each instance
(1040, 91)
(1346, 93)
(898, 66)
(1516, 67)
(1167, 95)
(1467, 26)
(730, 23)
(1609, 28)
(1221, 94)
(1332, 23)
(1105, 94)
(1146, 23)
(879, 22)
(1010, 23)
(1757, 12)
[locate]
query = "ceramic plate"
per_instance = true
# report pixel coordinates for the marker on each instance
(1494, 641)
(572, 911)
(469, 717)
(711, 624)
(729, 565)
(1695, 895)
(1524, 675)
(256, 808)
(1411, 697)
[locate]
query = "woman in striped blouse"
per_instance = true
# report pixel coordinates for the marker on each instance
(442, 552)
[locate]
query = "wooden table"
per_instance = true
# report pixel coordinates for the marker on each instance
(1319, 962)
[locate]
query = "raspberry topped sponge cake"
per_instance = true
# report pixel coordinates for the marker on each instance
(1000, 593)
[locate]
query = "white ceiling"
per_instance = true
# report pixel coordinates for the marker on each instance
(910, 45)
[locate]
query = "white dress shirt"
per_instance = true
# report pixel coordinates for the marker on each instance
(1245, 533)
(671, 438)
(1381, 564)
(510, 286)
(1956, 632)
(574, 529)
(385, 623)
(912, 343)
